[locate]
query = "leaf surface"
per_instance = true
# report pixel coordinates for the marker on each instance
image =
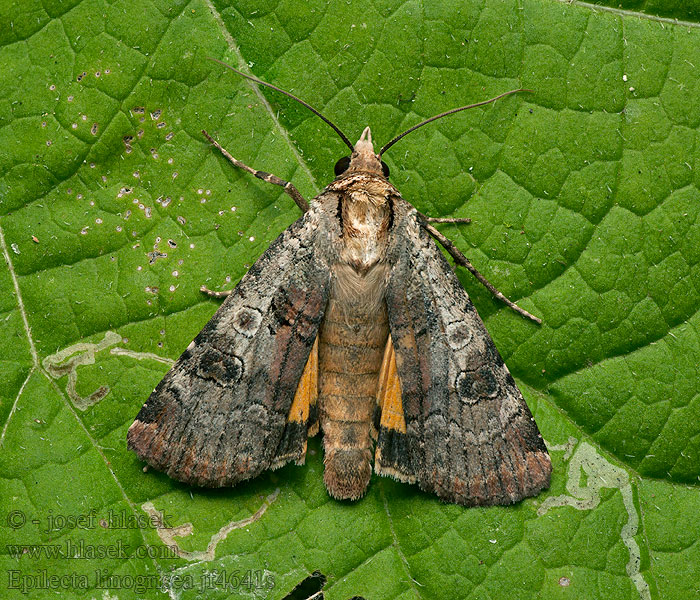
(584, 200)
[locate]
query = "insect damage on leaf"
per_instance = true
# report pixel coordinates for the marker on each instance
(352, 323)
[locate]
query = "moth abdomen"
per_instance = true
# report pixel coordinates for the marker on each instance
(350, 355)
(347, 472)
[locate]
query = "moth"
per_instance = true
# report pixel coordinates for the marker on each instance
(353, 323)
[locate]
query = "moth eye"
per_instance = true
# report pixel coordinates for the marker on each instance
(342, 165)
(385, 169)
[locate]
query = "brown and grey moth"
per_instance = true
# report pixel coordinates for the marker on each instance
(353, 323)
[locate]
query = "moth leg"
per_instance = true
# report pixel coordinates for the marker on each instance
(448, 220)
(460, 259)
(288, 186)
(215, 294)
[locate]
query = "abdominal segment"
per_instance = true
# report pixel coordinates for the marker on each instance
(352, 343)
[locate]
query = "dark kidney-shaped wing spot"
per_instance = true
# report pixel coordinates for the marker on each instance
(220, 368)
(458, 335)
(475, 385)
(247, 321)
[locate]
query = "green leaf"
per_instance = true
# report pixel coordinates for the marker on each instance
(114, 210)
(672, 10)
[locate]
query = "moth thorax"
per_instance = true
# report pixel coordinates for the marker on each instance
(366, 219)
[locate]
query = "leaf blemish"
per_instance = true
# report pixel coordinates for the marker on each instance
(67, 361)
(168, 534)
(154, 255)
(588, 473)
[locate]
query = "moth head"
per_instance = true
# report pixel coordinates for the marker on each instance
(363, 158)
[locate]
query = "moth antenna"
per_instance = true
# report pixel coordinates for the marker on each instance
(449, 112)
(292, 96)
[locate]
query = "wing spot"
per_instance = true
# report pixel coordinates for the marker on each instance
(458, 335)
(473, 386)
(247, 321)
(220, 368)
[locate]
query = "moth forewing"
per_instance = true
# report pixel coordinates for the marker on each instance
(470, 436)
(351, 322)
(222, 413)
